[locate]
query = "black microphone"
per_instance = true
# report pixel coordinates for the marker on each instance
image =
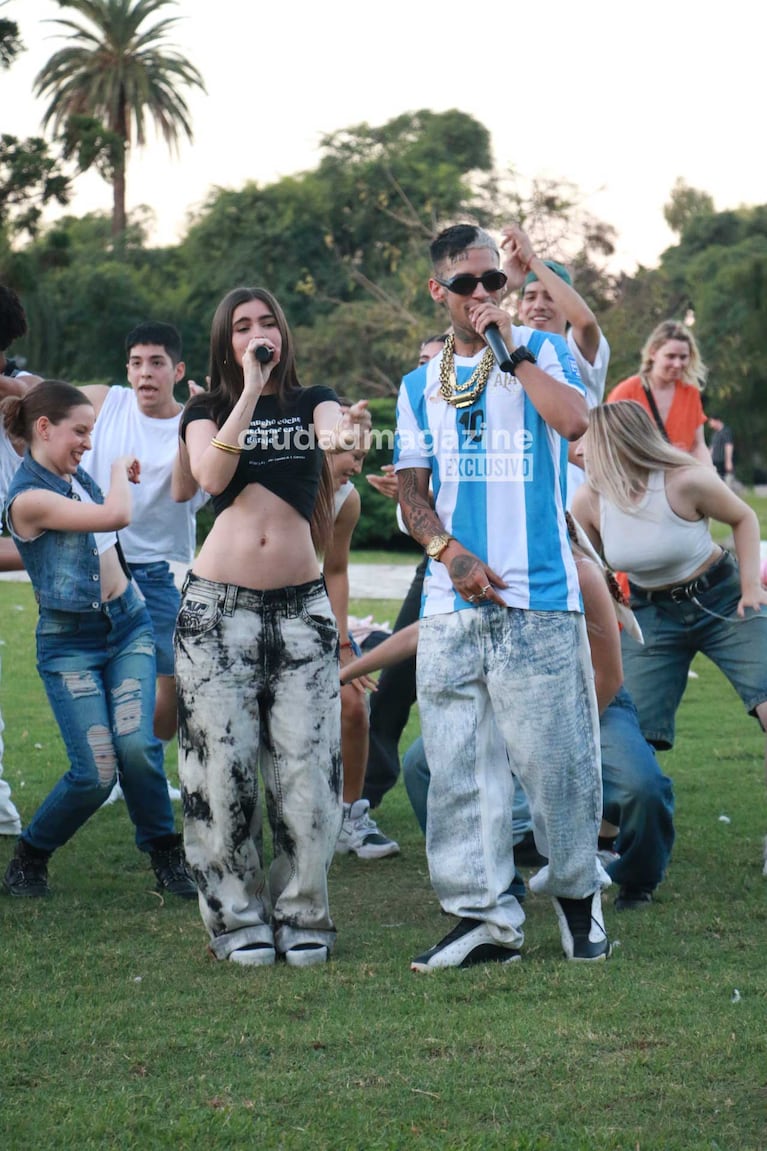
(497, 346)
(265, 355)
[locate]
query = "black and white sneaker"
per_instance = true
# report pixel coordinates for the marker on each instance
(360, 835)
(468, 943)
(26, 876)
(171, 868)
(582, 928)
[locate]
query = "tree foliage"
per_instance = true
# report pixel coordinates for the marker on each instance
(122, 74)
(686, 204)
(30, 178)
(10, 40)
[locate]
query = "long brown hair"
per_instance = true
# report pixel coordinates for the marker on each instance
(227, 381)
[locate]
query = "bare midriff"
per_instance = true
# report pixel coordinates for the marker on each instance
(259, 542)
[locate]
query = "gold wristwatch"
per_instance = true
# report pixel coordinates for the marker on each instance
(437, 545)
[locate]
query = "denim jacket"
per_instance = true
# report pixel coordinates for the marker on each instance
(62, 566)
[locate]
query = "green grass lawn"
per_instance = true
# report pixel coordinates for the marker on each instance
(118, 1031)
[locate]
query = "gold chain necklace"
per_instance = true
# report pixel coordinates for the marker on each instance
(462, 395)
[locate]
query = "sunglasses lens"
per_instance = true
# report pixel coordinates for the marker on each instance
(466, 284)
(493, 281)
(463, 285)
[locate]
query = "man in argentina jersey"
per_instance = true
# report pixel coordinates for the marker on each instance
(502, 637)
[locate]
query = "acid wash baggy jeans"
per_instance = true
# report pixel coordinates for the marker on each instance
(530, 671)
(258, 686)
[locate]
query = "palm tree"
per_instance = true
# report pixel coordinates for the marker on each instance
(121, 75)
(10, 41)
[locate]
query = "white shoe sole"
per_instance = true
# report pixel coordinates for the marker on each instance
(428, 968)
(375, 851)
(311, 957)
(253, 957)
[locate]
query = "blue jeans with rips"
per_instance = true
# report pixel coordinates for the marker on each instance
(529, 673)
(675, 630)
(99, 674)
(637, 796)
(258, 687)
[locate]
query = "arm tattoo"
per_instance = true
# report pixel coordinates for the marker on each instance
(420, 517)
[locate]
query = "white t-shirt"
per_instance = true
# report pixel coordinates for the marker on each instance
(9, 461)
(160, 528)
(594, 377)
(104, 540)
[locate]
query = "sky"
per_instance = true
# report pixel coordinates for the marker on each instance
(619, 99)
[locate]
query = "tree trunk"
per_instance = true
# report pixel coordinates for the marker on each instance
(118, 183)
(118, 202)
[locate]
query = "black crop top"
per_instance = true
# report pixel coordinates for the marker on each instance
(280, 449)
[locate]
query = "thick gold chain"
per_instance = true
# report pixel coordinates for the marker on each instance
(463, 395)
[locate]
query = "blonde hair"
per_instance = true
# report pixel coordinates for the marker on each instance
(622, 447)
(696, 371)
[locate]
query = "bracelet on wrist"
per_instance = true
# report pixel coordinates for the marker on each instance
(222, 447)
(346, 644)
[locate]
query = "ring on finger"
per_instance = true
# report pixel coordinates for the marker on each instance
(485, 589)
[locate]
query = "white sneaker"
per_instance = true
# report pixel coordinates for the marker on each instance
(253, 955)
(114, 796)
(117, 793)
(307, 955)
(359, 834)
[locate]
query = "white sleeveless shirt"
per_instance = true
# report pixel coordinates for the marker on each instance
(160, 528)
(652, 544)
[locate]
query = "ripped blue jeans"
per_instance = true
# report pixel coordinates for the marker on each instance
(98, 669)
(258, 688)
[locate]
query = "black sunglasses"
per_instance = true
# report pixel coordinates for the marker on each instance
(465, 285)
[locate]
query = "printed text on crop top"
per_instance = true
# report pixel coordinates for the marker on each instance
(280, 449)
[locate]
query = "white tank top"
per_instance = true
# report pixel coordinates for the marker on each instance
(341, 496)
(652, 544)
(160, 528)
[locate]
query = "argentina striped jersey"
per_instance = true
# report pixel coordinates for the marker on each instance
(498, 476)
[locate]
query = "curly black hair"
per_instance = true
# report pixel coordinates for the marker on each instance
(13, 320)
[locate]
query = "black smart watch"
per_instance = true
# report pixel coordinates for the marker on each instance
(519, 356)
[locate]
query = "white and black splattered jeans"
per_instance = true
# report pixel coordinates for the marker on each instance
(258, 687)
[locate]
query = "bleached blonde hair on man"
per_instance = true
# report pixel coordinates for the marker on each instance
(696, 371)
(622, 447)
